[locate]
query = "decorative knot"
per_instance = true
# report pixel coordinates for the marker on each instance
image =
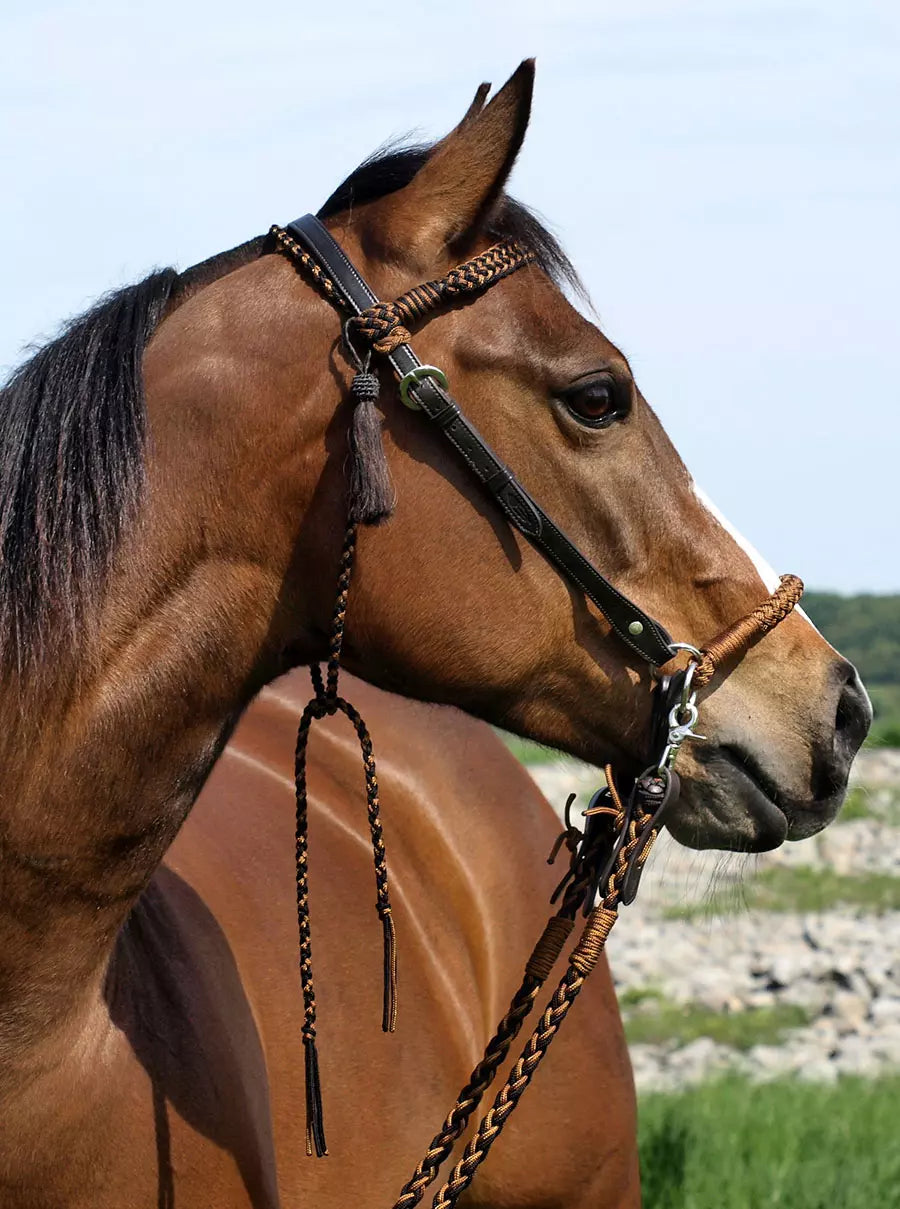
(549, 947)
(587, 952)
(365, 387)
(323, 707)
(397, 336)
(385, 325)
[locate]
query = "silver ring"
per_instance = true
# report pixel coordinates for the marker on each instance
(416, 375)
(686, 646)
(674, 647)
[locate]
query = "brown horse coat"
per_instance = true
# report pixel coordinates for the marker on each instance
(207, 994)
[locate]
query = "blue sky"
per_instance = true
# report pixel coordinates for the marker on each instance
(725, 175)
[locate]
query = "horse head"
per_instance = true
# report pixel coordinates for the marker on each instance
(449, 604)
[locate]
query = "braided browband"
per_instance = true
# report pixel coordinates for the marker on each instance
(385, 325)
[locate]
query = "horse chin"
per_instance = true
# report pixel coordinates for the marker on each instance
(708, 818)
(727, 802)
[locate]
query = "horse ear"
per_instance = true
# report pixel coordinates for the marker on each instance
(477, 104)
(462, 178)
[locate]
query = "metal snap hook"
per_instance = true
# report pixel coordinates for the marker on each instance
(688, 695)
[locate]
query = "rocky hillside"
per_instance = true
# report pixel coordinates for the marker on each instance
(787, 962)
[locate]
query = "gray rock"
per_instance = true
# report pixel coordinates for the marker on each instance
(849, 1009)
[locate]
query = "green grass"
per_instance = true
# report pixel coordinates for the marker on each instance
(527, 751)
(659, 1020)
(864, 802)
(857, 805)
(885, 730)
(783, 888)
(790, 1145)
(634, 996)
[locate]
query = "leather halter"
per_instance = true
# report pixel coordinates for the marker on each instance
(645, 636)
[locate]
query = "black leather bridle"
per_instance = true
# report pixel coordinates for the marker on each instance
(423, 390)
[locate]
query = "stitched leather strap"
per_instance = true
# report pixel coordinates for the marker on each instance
(651, 641)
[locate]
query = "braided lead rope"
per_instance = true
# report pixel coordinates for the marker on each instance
(593, 939)
(749, 629)
(582, 961)
(326, 703)
(471, 1095)
(537, 970)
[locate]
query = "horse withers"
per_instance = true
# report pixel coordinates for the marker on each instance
(170, 532)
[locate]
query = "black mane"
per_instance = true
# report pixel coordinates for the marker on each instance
(393, 167)
(71, 465)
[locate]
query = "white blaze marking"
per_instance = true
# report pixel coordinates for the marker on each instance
(766, 573)
(763, 568)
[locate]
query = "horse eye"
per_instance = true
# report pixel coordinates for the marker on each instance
(593, 402)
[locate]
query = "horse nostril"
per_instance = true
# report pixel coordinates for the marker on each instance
(853, 717)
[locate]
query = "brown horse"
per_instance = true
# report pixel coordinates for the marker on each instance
(171, 529)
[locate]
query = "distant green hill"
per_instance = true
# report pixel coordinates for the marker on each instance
(866, 629)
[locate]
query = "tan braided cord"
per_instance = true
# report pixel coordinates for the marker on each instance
(749, 629)
(320, 279)
(385, 325)
(582, 961)
(537, 969)
(471, 1095)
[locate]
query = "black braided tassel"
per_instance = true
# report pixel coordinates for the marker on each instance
(315, 1125)
(325, 703)
(371, 490)
(389, 1006)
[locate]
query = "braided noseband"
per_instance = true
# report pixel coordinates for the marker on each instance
(743, 633)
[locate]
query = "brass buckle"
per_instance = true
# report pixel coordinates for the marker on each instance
(416, 375)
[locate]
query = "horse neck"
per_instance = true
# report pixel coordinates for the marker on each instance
(104, 751)
(94, 795)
